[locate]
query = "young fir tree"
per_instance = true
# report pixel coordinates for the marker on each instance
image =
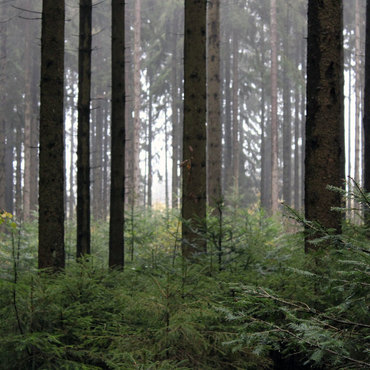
(83, 149)
(51, 173)
(324, 163)
(194, 140)
(117, 195)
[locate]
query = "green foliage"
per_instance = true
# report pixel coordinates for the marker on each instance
(263, 304)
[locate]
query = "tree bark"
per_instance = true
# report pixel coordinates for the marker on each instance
(194, 141)
(324, 163)
(83, 137)
(117, 197)
(51, 179)
(214, 133)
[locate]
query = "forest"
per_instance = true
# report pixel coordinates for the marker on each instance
(184, 184)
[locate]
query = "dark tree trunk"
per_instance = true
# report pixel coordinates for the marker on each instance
(194, 141)
(117, 198)
(83, 136)
(324, 163)
(51, 180)
(214, 133)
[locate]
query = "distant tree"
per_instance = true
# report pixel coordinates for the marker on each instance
(137, 104)
(287, 115)
(51, 173)
(366, 119)
(324, 164)
(214, 129)
(274, 109)
(235, 117)
(83, 148)
(117, 196)
(194, 140)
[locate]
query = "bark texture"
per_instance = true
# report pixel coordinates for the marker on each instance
(51, 173)
(214, 107)
(117, 196)
(194, 140)
(83, 148)
(324, 163)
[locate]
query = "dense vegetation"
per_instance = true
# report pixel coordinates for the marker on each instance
(254, 301)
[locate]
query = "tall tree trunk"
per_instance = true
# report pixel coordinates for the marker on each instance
(235, 125)
(324, 128)
(83, 137)
(3, 143)
(106, 148)
(9, 169)
(194, 141)
(214, 133)
(71, 197)
(349, 135)
(18, 172)
(150, 142)
(265, 187)
(366, 119)
(98, 167)
(297, 132)
(227, 118)
(287, 112)
(51, 181)
(274, 115)
(175, 115)
(357, 93)
(28, 118)
(117, 198)
(137, 102)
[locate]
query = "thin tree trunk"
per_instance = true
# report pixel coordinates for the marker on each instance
(175, 116)
(357, 93)
(366, 119)
(214, 133)
(137, 102)
(28, 118)
(227, 119)
(297, 132)
(235, 124)
(287, 129)
(117, 198)
(274, 116)
(51, 181)
(18, 172)
(3, 35)
(150, 142)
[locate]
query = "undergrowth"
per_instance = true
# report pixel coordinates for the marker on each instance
(254, 301)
